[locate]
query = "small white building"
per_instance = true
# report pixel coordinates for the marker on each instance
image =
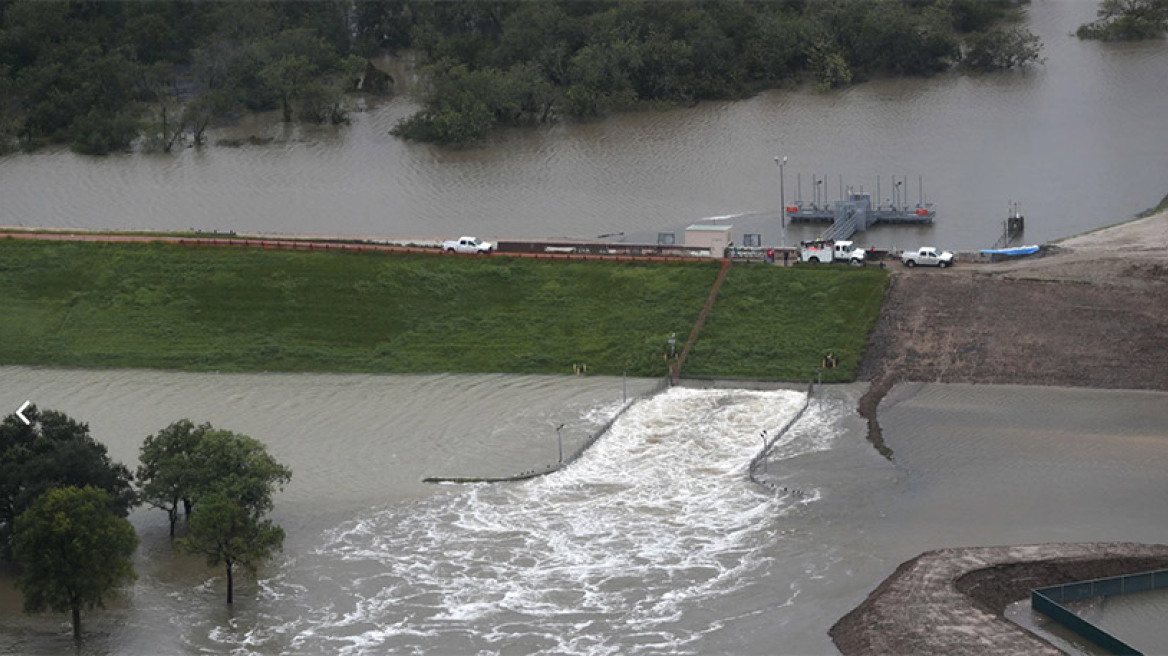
(714, 237)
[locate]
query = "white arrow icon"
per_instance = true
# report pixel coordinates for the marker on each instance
(20, 413)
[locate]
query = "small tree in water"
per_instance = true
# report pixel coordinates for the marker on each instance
(167, 473)
(237, 478)
(73, 550)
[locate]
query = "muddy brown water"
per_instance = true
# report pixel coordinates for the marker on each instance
(1078, 141)
(653, 542)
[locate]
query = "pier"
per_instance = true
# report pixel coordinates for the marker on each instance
(856, 212)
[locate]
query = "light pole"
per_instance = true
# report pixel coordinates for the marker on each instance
(560, 439)
(782, 196)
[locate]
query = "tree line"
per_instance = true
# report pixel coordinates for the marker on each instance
(509, 63)
(104, 75)
(101, 75)
(1127, 20)
(64, 503)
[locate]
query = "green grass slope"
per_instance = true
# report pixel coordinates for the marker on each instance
(227, 309)
(778, 323)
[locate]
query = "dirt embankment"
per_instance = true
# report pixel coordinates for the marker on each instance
(1087, 312)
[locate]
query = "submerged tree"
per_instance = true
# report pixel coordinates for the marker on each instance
(73, 550)
(236, 478)
(167, 474)
(229, 534)
(1127, 20)
(1003, 48)
(53, 451)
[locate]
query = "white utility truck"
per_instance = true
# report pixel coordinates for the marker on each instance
(830, 251)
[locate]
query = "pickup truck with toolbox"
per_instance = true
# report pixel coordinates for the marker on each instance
(927, 256)
(470, 245)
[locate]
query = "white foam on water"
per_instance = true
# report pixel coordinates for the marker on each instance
(657, 520)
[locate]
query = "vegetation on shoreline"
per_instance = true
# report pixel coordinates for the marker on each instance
(509, 63)
(1162, 206)
(101, 75)
(216, 309)
(1127, 20)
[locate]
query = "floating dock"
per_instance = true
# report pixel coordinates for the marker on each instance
(856, 212)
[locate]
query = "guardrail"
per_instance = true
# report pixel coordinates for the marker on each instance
(1049, 600)
(662, 385)
(769, 441)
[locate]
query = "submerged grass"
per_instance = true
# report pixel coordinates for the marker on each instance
(177, 307)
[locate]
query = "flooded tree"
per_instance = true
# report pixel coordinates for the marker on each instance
(236, 479)
(168, 475)
(1127, 20)
(50, 451)
(74, 551)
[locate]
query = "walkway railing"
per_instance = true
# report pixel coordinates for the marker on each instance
(769, 441)
(661, 386)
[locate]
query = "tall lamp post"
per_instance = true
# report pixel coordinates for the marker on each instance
(782, 196)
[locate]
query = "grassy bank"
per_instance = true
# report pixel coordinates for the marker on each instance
(174, 307)
(778, 323)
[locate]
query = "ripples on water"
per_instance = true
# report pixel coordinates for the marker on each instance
(608, 556)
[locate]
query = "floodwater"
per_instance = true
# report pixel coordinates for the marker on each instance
(1080, 142)
(654, 541)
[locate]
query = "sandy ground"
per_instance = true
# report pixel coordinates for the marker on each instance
(1088, 311)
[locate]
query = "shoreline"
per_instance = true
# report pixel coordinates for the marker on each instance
(1054, 320)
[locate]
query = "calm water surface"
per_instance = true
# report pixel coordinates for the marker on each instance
(1080, 142)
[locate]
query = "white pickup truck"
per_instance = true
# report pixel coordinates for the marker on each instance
(830, 251)
(467, 245)
(927, 256)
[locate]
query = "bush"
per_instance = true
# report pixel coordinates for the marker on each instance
(100, 133)
(1001, 49)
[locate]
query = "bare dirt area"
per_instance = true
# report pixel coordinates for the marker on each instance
(1087, 312)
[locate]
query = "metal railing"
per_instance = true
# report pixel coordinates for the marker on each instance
(661, 385)
(1049, 601)
(769, 441)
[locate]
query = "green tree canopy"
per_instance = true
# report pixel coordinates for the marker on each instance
(228, 534)
(74, 69)
(53, 451)
(1002, 48)
(582, 59)
(167, 476)
(236, 478)
(74, 550)
(1127, 20)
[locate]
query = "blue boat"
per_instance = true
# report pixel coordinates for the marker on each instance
(1017, 250)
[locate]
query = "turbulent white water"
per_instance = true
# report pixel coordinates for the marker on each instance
(605, 557)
